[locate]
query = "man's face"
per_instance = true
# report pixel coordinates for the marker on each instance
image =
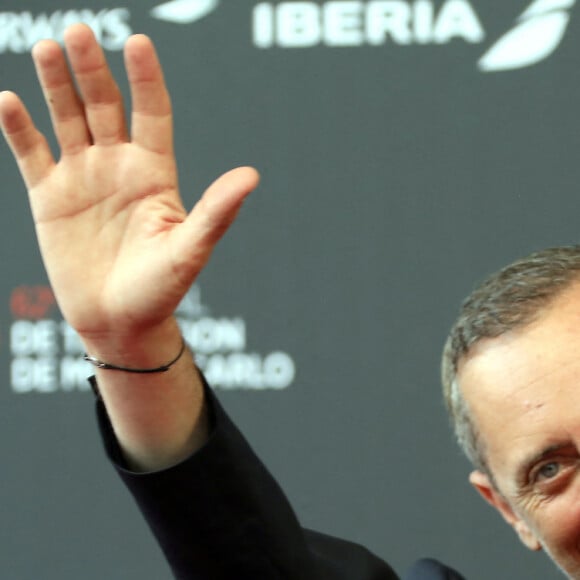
(523, 389)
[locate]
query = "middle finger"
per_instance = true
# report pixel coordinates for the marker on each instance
(102, 98)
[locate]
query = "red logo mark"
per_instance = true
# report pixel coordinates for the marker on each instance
(33, 302)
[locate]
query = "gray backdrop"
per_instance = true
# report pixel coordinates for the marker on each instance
(397, 171)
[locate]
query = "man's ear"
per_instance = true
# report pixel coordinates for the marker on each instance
(483, 485)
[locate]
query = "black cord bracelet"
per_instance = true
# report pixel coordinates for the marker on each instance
(109, 367)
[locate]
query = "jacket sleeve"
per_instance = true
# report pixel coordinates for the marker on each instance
(220, 515)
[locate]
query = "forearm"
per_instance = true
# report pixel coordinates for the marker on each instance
(159, 418)
(219, 514)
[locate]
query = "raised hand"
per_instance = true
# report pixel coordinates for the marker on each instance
(118, 245)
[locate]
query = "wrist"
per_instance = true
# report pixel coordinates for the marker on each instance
(143, 348)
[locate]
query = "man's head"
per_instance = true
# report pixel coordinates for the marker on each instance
(511, 377)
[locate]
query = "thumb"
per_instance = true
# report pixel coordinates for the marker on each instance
(212, 215)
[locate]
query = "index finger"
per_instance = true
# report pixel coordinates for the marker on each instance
(151, 120)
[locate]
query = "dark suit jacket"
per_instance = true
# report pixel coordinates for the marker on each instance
(220, 515)
(429, 569)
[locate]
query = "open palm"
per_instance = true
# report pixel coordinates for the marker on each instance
(119, 247)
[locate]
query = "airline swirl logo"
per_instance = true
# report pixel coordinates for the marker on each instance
(537, 34)
(184, 11)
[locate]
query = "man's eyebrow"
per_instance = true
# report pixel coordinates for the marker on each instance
(530, 460)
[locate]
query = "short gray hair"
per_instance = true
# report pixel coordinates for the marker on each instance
(507, 300)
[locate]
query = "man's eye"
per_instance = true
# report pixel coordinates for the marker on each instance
(548, 471)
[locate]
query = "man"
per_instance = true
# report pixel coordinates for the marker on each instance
(121, 251)
(511, 372)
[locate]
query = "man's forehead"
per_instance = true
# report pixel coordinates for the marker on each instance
(519, 374)
(551, 338)
(522, 387)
